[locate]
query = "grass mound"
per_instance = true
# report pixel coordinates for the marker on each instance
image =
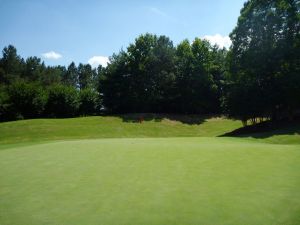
(153, 125)
(113, 127)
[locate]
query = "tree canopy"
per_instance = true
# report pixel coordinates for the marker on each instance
(263, 63)
(154, 76)
(257, 78)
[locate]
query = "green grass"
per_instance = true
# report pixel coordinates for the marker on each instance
(109, 127)
(151, 181)
(112, 177)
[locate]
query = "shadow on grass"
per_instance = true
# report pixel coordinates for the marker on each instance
(266, 129)
(185, 119)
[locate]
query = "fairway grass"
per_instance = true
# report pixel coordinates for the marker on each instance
(144, 181)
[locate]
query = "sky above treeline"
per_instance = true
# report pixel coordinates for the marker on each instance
(62, 31)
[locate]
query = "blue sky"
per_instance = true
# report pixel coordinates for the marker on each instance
(61, 31)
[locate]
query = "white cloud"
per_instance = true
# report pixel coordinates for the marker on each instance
(222, 41)
(98, 60)
(52, 55)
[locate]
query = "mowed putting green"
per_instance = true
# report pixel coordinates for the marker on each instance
(188, 180)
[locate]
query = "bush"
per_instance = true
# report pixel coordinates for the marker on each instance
(62, 101)
(89, 102)
(26, 100)
(5, 111)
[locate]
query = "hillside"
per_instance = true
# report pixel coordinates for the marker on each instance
(114, 127)
(153, 125)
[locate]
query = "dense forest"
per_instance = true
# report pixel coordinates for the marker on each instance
(257, 78)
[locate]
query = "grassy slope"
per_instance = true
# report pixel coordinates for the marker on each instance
(151, 181)
(283, 132)
(41, 130)
(108, 127)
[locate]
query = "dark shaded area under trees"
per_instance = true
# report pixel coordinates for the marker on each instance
(258, 78)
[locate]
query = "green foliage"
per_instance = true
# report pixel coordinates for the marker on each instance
(5, 105)
(264, 61)
(34, 69)
(198, 77)
(257, 79)
(154, 76)
(11, 65)
(52, 75)
(63, 101)
(26, 84)
(70, 77)
(27, 100)
(141, 79)
(89, 102)
(85, 76)
(115, 84)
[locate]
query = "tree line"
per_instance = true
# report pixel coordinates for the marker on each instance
(257, 78)
(30, 89)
